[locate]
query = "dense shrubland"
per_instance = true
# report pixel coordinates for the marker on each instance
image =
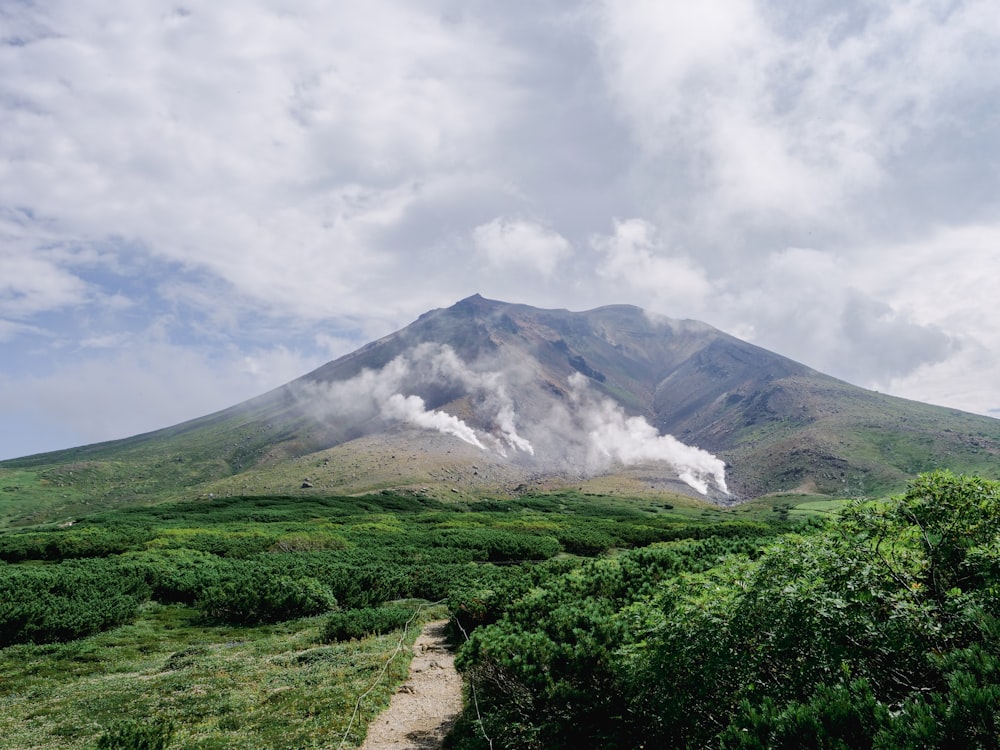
(246, 561)
(40, 604)
(590, 622)
(258, 619)
(879, 630)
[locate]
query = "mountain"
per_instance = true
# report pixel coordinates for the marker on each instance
(487, 397)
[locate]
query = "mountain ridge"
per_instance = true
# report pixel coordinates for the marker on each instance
(518, 377)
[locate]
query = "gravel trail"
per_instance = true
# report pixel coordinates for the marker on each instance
(427, 704)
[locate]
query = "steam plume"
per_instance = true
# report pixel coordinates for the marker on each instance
(413, 410)
(608, 436)
(584, 433)
(389, 394)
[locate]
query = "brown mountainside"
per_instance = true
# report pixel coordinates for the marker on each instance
(550, 395)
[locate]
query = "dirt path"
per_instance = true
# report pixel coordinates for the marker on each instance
(425, 707)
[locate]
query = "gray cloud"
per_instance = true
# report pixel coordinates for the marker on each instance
(292, 181)
(131, 386)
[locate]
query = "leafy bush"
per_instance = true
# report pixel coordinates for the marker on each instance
(67, 601)
(585, 541)
(497, 545)
(75, 542)
(837, 627)
(128, 734)
(881, 630)
(358, 623)
(220, 542)
(243, 596)
(308, 541)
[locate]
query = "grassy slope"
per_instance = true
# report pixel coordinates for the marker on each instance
(843, 441)
(222, 687)
(167, 464)
(274, 686)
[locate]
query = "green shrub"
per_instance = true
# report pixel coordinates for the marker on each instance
(496, 545)
(880, 630)
(245, 597)
(128, 734)
(581, 540)
(890, 612)
(358, 623)
(179, 576)
(67, 601)
(75, 542)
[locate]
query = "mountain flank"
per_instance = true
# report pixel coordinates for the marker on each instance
(492, 398)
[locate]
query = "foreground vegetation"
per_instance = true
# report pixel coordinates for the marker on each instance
(281, 622)
(242, 622)
(879, 630)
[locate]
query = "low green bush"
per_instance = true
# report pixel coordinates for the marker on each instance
(244, 597)
(358, 623)
(128, 734)
(76, 542)
(45, 604)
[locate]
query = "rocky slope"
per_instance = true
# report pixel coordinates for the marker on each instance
(532, 397)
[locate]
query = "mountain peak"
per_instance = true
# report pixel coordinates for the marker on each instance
(549, 396)
(474, 304)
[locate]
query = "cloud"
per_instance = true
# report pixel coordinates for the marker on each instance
(636, 255)
(134, 387)
(269, 148)
(248, 177)
(515, 242)
(944, 276)
(808, 304)
(957, 381)
(30, 285)
(944, 282)
(10, 330)
(774, 114)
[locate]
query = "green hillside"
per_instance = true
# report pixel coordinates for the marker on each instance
(779, 426)
(264, 622)
(581, 620)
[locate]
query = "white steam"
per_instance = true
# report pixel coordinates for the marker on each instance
(388, 394)
(505, 421)
(632, 440)
(413, 410)
(579, 431)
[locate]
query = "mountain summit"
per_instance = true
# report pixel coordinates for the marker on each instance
(488, 397)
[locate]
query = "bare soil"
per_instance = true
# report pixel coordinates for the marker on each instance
(425, 707)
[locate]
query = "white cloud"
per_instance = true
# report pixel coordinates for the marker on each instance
(143, 386)
(271, 148)
(506, 243)
(275, 366)
(636, 255)
(806, 304)
(820, 177)
(10, 330)
(786, 123)
(30, 285)
(962, 381)
(945, 280)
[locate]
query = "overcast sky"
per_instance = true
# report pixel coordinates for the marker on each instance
(202, 201)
